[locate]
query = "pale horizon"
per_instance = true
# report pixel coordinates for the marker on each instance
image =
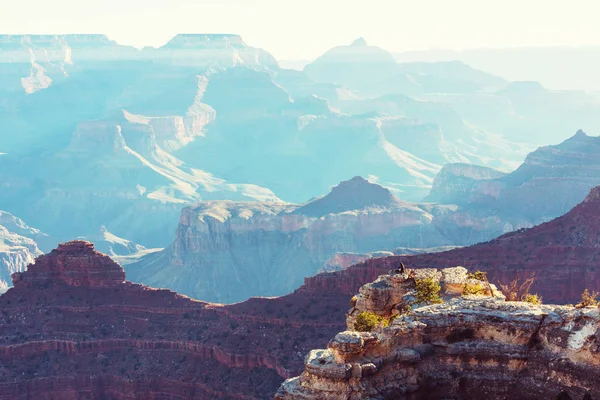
(303, 31)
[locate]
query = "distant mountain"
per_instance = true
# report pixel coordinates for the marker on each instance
(355, 194)
(266, 249)
(542, 64)
(374, 72)
(18, 247)
(348, 64)
(562, 253)
(123, 138)
(551, 181)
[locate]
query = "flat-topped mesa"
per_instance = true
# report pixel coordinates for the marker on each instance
(466, 346)
(197, 40)
(74, 263)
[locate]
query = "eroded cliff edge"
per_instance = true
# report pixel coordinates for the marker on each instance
(468, 347)
(72, 327)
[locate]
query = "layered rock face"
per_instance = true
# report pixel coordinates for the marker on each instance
(475, 347)
(454, 183)
(72, 327)
(18, 247)
(562, 253)
(262, 249)
(500, 203)
(74, 263)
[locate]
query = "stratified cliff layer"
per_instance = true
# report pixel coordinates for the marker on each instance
(563, 253)
(563, 173)
(266, 249)
(72, 328)
(471, 347)
(18, 246)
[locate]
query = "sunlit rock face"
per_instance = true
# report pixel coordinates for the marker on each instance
(551, 181)
(560, 253)
(219, 50)
(18, 246)
(475, 346)
(267, 249)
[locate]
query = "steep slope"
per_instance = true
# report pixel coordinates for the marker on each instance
(73, 327)
(114, 174)
(564, 173)
(18, 246)
(563, 254)
(266, 249)
(473, 347)
(250, 347)
(454, 183)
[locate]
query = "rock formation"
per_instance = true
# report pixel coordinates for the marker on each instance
(562, 253)
(266, 249)
(470, 346)
(72, 327)
(18, 247)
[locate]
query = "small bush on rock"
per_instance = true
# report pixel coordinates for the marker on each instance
(517, 289)
(428, 291)
(366, 321)
(533, 299)
(473, 289)
(588, 299)
(479, 275)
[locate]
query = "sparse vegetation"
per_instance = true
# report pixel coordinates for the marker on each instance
(517, 290)
(588, 299)
(366, 321)
(473, 289)
(533, 299)
(479, 275)
(428, 291)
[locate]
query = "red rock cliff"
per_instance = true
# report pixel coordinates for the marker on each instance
(72, 328)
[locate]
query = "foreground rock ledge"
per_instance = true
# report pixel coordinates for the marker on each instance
(471, 347)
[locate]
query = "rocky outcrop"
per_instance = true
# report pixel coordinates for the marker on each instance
(74, 263)
(454, 183)
(72, 327)
(474, 346)
(266, 249)
(18, 247)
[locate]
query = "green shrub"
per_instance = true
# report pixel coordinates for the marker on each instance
(479, 275)
(428, 291)
(533, 299)
(473, 289)
(588, 299)
(366, 321)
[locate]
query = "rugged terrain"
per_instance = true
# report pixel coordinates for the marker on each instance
(72, 327)
(563, 254)
(470, 346)
(18, 246)
(266, 249)
(73, 324)
(121, 138)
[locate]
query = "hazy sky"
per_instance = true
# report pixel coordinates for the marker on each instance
(303, 29)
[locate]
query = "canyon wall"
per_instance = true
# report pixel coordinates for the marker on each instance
(469, 346)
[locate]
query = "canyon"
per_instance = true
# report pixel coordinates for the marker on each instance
(72, 326)
(209, 117)
(267, 248)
